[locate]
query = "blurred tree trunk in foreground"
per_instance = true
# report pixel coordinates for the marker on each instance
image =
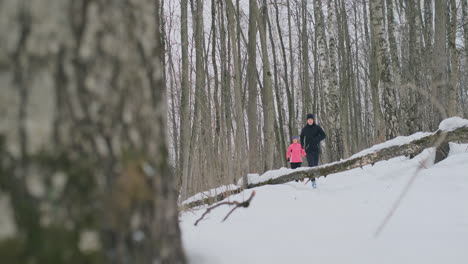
(84, 174)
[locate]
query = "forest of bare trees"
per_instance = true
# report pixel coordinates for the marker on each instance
(242, 75)
(111, 112)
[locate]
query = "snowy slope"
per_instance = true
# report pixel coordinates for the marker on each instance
(293, 223)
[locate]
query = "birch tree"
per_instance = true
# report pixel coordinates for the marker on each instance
(306, 89)
(385, 79)
(333, 107)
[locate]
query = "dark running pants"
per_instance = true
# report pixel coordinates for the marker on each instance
(313, 159)
(295, 165)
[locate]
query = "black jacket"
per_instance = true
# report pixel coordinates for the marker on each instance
(311, 135)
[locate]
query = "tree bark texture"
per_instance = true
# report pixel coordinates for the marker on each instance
(84, 149)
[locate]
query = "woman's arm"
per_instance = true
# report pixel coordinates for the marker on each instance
(288, 152)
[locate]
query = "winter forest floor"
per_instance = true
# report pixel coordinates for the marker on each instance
(336, 223)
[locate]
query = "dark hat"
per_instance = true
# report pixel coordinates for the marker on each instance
(310, 116)
(295, 137)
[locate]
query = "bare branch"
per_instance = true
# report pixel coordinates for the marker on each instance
(244, 204)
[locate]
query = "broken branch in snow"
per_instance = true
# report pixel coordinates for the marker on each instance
(244, 204)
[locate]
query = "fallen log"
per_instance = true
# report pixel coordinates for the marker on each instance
(210, 200)
(411, 149)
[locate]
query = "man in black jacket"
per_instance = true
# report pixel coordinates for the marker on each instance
(311, 135)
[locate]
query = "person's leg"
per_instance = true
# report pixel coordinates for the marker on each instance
(310, 159)
(311, 162)
(314, 162)
(316, 159)
(295, 165)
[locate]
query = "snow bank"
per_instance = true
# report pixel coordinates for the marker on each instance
(458, 148)
(335, 223)
(398, 141)
(448, 124)
(211, 193)
(453, 123)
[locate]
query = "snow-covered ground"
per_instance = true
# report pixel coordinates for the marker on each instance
(336, 223)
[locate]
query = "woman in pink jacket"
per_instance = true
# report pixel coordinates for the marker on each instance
(295, 153)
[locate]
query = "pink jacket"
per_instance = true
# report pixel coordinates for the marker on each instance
(295, 153)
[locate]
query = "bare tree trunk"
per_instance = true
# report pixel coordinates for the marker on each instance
(350, 138)
(96, 116)
(252, 86)
(307, 99)
(225, 92)
(464, 84)
(392, 40)
(379, 126)
(452, 46)
(465, 26)
(360, 107)
(439, 81)
(200, 123)
(328, 69)
(240, 124)
(268, 104)
(403, 115)
(289, 83)
(164, 225)
(333, 96)
(410, 92)
(427, 59)
(217, 137)
(185, 124)
(345, 85)
(322, 50)
(280, 133)
(291, 61)
(368, 85)
(208, 117)
(385, 79)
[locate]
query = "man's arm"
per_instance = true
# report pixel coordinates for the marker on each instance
(322, 134)
(302, 138)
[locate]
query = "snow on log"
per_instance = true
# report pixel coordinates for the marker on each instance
(211, 196)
